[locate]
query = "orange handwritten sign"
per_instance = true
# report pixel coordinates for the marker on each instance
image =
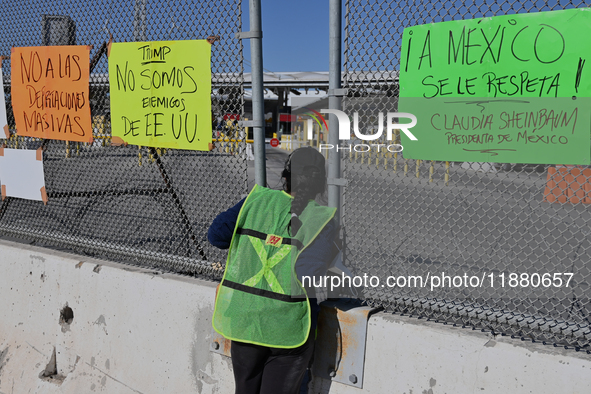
(50, 92)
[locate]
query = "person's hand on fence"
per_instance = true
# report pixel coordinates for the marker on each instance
(212, 39)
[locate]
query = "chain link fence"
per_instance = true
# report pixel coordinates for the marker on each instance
(415, 218)
(152, 207)
(145, 206)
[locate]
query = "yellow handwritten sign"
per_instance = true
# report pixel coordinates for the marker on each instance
(50, 92)
(161, 93)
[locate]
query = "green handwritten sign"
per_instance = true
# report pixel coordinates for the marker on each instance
(161, 93)
(513, 88)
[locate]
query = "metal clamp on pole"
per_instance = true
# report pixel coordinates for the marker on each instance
(250, 123)
(341, 92)
(340, 351)
(219, 344)
(243, 35)
(337, 181)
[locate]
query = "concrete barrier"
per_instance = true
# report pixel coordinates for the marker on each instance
(133, 330)
(119, 329)
(410, 356)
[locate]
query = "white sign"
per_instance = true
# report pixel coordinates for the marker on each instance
(21, 174)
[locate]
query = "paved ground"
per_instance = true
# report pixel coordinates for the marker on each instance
(480, 223)
(126, 198)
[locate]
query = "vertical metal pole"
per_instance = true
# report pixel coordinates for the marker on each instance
(258, 104)
(139, 20)
(334, 102)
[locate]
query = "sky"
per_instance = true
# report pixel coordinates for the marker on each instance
(295, 32)
(295, 35)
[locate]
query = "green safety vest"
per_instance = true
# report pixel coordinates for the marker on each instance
(261, 300)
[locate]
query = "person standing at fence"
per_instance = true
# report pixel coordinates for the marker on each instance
(261, 305)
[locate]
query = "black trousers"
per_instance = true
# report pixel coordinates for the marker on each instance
(266, 370)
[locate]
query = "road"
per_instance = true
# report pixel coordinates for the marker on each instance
(481, 223)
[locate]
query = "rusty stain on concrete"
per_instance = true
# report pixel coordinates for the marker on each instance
(226, 345)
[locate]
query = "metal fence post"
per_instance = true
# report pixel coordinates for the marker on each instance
(139, 20)
(334, 102)
(258, 104)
